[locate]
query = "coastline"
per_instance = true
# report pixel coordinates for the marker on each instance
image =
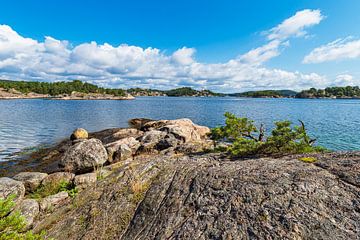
(128, 172)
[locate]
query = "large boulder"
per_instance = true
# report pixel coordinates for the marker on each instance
(79, 133)
(29, 209)
(31, 180)
(122, 149)
(9, 187)
(84, 156)
(58, 177)
(185, 130)
(150, 139)
(52, 201)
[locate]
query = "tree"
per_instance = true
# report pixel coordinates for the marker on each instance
(247, 140)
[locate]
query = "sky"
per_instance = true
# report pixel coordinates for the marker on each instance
(225, 46)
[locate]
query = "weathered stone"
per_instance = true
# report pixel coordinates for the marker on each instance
(31, 180)
(79, 133)
(84, 156)
(211, 196)
(56, 178)
(195, 147)
(152, 125)
(167, 142)
(138, 123)
(122, 134)
(119, 150)
(9, 187)
(185, 130)
(52, 201)
(85, 179)
(150, 139)
(124, 152)
(29, 209)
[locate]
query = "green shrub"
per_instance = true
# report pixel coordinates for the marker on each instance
(248, 140)
(12, 226)
(51, 189)
(308, 159)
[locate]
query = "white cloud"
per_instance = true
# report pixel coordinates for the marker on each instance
(339, 49)
(279, 35)
(184, 56)
(131, 66)
(295, 25)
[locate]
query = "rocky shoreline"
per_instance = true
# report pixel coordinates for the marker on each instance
(158, 179)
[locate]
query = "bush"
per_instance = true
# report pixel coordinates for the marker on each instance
(247, 140)
(51, 189)
(12, 224)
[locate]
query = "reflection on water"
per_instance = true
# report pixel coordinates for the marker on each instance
(27, 123)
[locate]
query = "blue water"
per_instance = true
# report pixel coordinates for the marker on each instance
(28, 123)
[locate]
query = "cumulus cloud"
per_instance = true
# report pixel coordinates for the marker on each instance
(184, 56)
(339, 49)
(131, 66)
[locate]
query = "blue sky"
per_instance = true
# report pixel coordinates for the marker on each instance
(203, 44)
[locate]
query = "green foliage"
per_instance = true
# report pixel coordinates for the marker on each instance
(308, 159)
(187, 91)
(266, 93)
(247, 140)
(338, 92)
(51, 189)
(58, 88)
(12, 224)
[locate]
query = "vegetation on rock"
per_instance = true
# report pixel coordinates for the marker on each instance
(58, 88)
(266, 93)
(248, 140)
(54, 188)
(12, 223)
(331, 92)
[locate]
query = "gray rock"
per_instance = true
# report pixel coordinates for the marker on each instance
(121, 134)
(84, 156)
(85, 179)
(29, 208)
(169, 141)
(211, 196)
(31, 180)
(56, 178)
(138, 123)
(122, 149)
(150, 139)
(124, 152)
(9, 187)
(50, 202)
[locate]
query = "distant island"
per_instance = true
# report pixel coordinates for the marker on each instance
(266, 94)
(74, 90)
(78, 90)
(331, 92)
(178, 92)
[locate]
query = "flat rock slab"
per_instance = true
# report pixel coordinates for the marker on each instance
(52, 201)
(10, 186)
(85, 179)
(58, 177)
(31, 180)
